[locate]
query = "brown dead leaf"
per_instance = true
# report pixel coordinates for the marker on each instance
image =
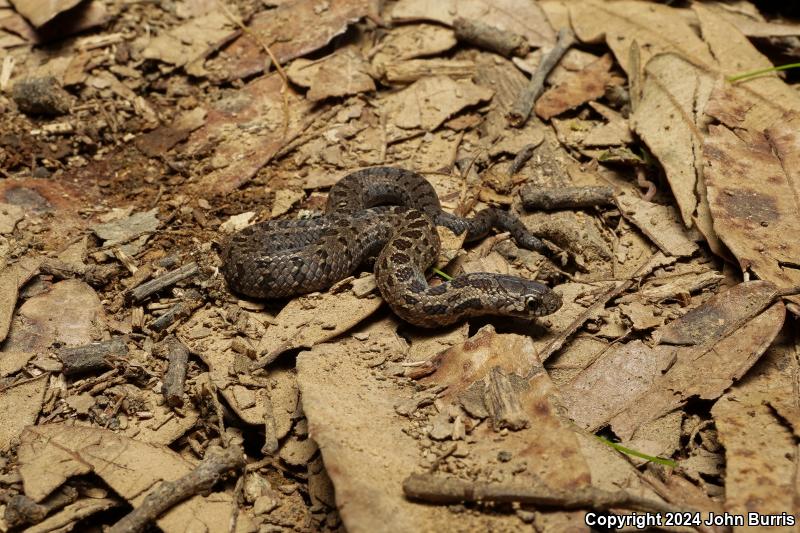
(70, 313)
(579, 88)
(285, 199)
(13, 277)
(341, 74)
(760, 449)
(161, 139)
(670, 121)
(750, 22)
(12, 361)
(758, 223)
(702, 371)
(50, 454)
(719, 341)
(430, 101)
(19, 407)
(39, 12)
(660, 223)
(309, 320)
(656, 28)
(66, 518)
(352, 416)
(192, 40)
(547, 441)
(244, 131)
(735, 54)
(598, 392)
(616, 132)
(411, 41)
(516, 16)
(760, 459)
(291, 30)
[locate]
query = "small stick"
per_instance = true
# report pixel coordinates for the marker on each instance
(521, 158)
(91, 357)
(21, 510)
(175, 377)
(217, 462)
(170, 278)
(534, 198)
(521, 109)
(178, 311)
(440, 489)
(488, 37)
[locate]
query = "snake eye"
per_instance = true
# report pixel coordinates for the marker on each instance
(531, 302)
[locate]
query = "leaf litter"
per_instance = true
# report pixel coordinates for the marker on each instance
(129, 371)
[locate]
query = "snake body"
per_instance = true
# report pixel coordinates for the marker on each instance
(280, 258)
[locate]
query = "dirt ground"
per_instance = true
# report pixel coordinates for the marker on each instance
(649, 144)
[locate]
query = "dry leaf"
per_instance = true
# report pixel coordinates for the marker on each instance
(758, 223)
(13, 277)
(340, 74)
(39, 12)
(656, 28)
(49, 454)
(718, 342)
(669, 119)
(19, 406)
(760, 449)
(291, 30)
(411, 41)
(70, 314)
(351, 415)
(547, 442)
(578, 88)
(515, 16)
(430, 101)
(660, 223)
(190, 41)
(309, 320)
(244, 131)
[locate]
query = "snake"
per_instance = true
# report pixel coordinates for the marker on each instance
(386, 216)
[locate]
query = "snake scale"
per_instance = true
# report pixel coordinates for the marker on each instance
(390, 213)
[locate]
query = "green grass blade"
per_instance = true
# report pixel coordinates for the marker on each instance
(760, 71)
(620, 448)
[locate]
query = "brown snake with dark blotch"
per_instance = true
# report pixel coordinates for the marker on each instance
(280, 258)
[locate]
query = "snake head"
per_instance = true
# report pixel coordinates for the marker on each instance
(525, 298)
(542, 302)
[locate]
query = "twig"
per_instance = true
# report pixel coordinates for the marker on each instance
(170, 278)
(193, 300)
(565, 197)
(91, 357)
(217, 462)
(521, 109)
(521, 158)
(175, 376)
(482, 35)
(447, 490)
(21, 510)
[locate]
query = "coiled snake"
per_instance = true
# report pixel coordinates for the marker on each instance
(280, 258)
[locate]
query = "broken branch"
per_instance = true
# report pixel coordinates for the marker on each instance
(521, 109)
(217, 462)
(447, 490)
